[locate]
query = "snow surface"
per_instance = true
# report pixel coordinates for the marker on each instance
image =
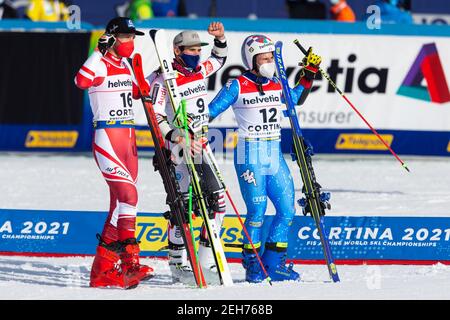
(359, 186)
(68, 278)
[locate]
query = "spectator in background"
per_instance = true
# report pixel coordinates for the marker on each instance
(47, 10)
(140, 10)
(169, 8)
(341, 11)
(306, 9)
(394, 11)
(7, 10)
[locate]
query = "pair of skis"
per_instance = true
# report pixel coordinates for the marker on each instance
(167, 169)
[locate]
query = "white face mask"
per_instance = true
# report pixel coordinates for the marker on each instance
(267, 70)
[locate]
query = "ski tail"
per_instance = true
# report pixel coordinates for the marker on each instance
(313, 202)
(167, 172)
(159, 39)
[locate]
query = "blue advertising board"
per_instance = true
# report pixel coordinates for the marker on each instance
(353, 239)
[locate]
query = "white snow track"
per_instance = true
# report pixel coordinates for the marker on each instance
(68, 278)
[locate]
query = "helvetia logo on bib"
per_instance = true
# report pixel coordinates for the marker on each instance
(427, 66)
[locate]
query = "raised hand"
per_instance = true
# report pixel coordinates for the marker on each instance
(217, 30)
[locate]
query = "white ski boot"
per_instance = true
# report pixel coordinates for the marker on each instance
(179, 265)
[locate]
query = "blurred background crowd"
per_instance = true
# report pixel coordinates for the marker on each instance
(99, 11)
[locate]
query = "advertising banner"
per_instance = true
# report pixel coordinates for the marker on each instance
(353, 239)
(397, 77)
(399, 83)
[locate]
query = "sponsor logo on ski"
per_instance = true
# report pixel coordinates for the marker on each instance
(333, 268)
(162, 97)
(144, 138)
(362, 141)
(51, 139)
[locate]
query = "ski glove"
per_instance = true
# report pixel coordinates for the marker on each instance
(105, 42)
(310, 63)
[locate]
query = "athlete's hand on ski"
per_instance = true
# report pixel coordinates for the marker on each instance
(310, 63)
(105, 42)
(217, 30)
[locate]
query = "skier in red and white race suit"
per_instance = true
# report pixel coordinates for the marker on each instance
(192, 86)
(108, 77)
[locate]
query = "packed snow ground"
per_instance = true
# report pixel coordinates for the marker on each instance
(359, 186)
(68, 278)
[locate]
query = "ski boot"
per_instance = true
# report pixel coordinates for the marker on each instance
(129, 256)
(179, 265)
(106, 270)
(208, 263)
(275, 263)
(253, 271)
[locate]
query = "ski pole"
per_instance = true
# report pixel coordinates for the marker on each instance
(297, 43)
(208, 152)
(186, 133)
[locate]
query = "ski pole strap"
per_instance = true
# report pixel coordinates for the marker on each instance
(181, 116)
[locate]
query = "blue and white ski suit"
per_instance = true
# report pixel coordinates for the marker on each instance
(260, 166)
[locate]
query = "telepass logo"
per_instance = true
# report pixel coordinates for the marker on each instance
(427, 66)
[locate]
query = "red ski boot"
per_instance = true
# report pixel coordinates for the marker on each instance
(106, 271)
(130, 261)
